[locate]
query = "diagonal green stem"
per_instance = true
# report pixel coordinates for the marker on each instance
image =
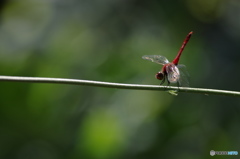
(117, 85)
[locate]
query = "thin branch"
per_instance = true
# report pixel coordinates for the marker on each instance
(117, 85)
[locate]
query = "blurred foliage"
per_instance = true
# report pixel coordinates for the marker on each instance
(104, 41)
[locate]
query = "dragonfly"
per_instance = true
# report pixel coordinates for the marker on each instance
(172, 71)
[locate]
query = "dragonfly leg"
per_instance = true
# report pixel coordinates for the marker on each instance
(168, 83)
(163, 80)
(178, 85)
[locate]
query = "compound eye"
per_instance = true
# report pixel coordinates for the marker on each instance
(159, 75)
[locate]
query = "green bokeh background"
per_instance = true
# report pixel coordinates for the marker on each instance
(104, 41)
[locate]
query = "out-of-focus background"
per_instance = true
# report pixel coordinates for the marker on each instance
(104, 41)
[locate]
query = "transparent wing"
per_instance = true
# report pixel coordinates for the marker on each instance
(173, 73)
(156, 58)
(184, 76)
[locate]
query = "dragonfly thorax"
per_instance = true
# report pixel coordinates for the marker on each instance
(159, 75)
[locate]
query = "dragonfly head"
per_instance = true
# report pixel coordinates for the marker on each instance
(159, 75)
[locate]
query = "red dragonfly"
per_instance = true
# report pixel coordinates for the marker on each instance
(172, 71)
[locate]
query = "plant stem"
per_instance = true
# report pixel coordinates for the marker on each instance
(117, 85)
